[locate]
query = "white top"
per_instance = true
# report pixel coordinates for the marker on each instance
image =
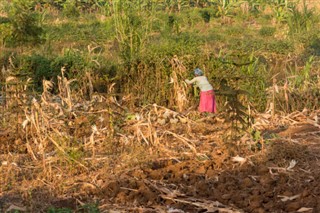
(202, 82)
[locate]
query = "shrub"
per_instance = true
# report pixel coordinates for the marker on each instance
(25, 22)
(73, 62)
(39, 68)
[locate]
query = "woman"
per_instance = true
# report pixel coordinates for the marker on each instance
(207, 98)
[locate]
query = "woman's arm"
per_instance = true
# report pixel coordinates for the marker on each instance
(191, 82)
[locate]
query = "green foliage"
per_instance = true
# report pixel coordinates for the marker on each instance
(280, 46)
(267, 31)
(98, 6)
(303, 76)
(226, 8)
(132, 25)
(4, 20)
(234, 111)
(80, 31)
(75, 153)
(206, 15)
(256, 6)
(171, 6)
(301, 20)
(39, 68)
(180, 44)
(314, 46)
(240, 69)
(173, 23)
(70, 9)
(24, 22)
(234, 30)
(73, 62)
(146, 34)
(6, 32)
(282, 9)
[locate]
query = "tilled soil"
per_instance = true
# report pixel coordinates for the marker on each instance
(280, 173)
(264, 183)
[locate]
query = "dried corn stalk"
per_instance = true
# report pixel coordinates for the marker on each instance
(64, 88)
(179, 86)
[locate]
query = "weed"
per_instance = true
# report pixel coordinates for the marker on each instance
(267, 31)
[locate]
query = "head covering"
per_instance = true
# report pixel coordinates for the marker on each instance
(197, 71)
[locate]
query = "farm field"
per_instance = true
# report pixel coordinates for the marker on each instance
(96, 115)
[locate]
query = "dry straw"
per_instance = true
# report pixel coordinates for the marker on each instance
(179, 86)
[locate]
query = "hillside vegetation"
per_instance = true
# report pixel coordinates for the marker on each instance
(96, 116)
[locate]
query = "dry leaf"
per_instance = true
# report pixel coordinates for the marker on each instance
(25, 123)
(183, 120)
(10, 78)
(304, 209)
(239, 159)
(16, 208)
(161, 121)
(174, 120)
(286, 198)
(292, 164)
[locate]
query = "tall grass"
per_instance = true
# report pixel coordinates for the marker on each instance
(132, 24)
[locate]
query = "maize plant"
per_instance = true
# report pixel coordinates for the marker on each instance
(225, 7)
(301, 20)
(132, 28)
(173, 5)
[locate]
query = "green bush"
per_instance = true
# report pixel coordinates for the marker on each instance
(25, 22)
(73, 61)
(39, 68)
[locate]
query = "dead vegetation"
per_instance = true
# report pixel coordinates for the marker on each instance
(61, 151)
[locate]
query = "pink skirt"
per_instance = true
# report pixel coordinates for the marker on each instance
(207, 102)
